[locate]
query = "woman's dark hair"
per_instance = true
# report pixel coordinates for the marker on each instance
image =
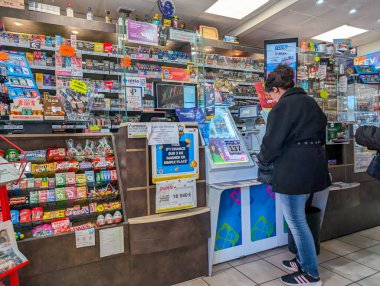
(216, 149)
(281, 77)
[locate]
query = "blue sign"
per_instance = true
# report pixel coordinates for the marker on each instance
(166, 8)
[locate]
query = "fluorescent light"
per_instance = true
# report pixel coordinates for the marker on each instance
(378, 20)
(320, 2)
(18, 24)
(75, 32)
(236, 9)
(342, 32)
(353, 11)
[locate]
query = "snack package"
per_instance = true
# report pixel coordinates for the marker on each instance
(42, 230)
(61, 225)
(90, 178)
(62, 166)
(81, 192)
(82, 227)
(44, 183)
(60, 194)
(41, 170)
(23, 185)
(89, 149)
(50, 195)
(70, 179)
(60, 179)
(85, 165)
(92, 207)
(60, 213)
(113, 175)
(18, 200)
(25, 215)
(51, 183)
(37, 213)
(36, 156)
(33, 197)
(101, 163)
(42, 196)
(100, 221)
(108, 219)
(56, 154)
(86, 210)
(30, 183)
(117, 217)
(15, 216)
(37, 183)
(49, 215)
(104, 149)
(71, 193)
(80, 180)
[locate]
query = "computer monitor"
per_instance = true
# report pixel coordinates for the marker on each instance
(248, 112)
(172, 95)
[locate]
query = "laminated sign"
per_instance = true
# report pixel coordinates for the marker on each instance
(78, 86)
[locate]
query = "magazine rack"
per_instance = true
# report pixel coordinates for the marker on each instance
(10, 172)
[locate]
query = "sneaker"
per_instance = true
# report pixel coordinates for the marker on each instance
(292, 265)
(301, 278)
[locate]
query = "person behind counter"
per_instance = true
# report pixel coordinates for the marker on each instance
(293, 145)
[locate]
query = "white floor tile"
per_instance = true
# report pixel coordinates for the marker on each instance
(339, 247)
(260, 271)
(229, 277)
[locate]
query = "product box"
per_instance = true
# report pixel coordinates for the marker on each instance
(39, 79)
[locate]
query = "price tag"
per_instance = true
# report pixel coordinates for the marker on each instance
(77, 73)
(78, 86)
(35, 45)
(4, 56)
(324, 94)
(176, 195)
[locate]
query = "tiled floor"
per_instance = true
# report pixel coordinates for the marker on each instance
(350, 260)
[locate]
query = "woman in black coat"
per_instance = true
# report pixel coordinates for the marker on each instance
(293, 144)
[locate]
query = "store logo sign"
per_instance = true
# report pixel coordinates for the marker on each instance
(134, 81)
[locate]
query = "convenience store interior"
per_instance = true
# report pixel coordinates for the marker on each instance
(86, 85)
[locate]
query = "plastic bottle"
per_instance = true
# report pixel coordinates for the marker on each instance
(156, 20)
(108, 17)
(69, 10)
(89, 14)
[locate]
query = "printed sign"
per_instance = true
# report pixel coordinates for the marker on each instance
(177, 161)
(134, 98)
(132, 81)
(175, 74)
(35, 45)
(137, 130)
(266, 101)
(85, 238)
(67, 51)
(369, 59)
(78, 86)
(142, 33)
(182, 36)
(3, 56)
(163, 133)
(224, 151)
(176, 195)
(338, 133)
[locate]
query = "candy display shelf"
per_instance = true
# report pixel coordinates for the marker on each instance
(230, 68)
(242, 83)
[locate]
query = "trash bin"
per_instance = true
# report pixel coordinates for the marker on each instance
(313, 217)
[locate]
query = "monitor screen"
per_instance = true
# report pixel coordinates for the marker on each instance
(248, 111)
(171, 96)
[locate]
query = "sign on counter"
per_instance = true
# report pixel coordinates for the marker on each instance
(163, 133)
(176, 195)
(137, 130)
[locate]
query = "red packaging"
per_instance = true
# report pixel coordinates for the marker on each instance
(70, 179)
(101, 163)
(42, 196)
(56, 154)
(113, 175)
(107, 47)
(62, 166)
(25, 215)
(81, 192)
(71, 193)
(37, 213)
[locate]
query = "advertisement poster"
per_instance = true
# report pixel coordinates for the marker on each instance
(68, 66)
(266, 101)
(142, 33)
(160, 133)
(369, 59)
(134, 98)
(176, 195)
(282, 51)
(209, 95)
(338, 133)
(177, 161)
(225, 151)
(175, 74)
(134, 81)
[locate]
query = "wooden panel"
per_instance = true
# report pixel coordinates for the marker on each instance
(169, 231)
(136, 202)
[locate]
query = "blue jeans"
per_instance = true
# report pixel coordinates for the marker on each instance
(293, 208)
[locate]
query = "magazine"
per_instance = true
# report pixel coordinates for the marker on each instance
(10, 256)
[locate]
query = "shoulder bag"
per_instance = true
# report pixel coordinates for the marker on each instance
(374, 168)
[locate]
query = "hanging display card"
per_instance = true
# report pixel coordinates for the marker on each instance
(337, 133)
(177, 161)
(142, 32)
(163, 133)
(227, 151)
(134, 98)
(176, 195)
(137, 130)
(111, 241)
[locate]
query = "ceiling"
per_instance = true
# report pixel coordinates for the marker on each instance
(276, 19)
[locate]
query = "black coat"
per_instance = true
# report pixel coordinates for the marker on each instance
(298, 168)
(368, 136)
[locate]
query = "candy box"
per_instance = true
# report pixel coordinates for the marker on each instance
(33, 197)
(92, 207)
(62, 166)
(60, 179)
(71, 193)
(80, 180)
(85, 165)
(60, 194)
(42, 196)
(44, 183)
(86, 210)
(42, 230)
(60, 213)
(30, 183)
(61, 223)
(37, 213)
(90, 178)
(70, 179)
(41, 170)
(113, 175)
(37, 183)
(36, 156)
(15, 216)
(25, 215)
(50, 196)
(81, 192)
(23, 184)
(56, 154)
(51, 183)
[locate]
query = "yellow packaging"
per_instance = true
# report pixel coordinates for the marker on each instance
(41, 170)
(39, 79)
(29, 57)
(99, 47)
(60, 214)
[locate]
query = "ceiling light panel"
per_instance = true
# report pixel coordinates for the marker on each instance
(237, 9)
(342, 32)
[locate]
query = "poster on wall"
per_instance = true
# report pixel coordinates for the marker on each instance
(281, 51)
(175, 74)
(209, 95)
(369, 59)
(176, 195)
(227, 151)
(177, 161)
(142, 33)
(134, 98)
(337, 133)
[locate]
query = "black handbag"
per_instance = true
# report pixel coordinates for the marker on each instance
(374, 168)
(265, 173)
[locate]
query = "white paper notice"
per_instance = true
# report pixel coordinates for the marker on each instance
(85, 237)
(137, 130)
(176, 195)
(160, 133)
(111, 241)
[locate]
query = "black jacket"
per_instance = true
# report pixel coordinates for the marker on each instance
(368, 136)
(298, 168)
